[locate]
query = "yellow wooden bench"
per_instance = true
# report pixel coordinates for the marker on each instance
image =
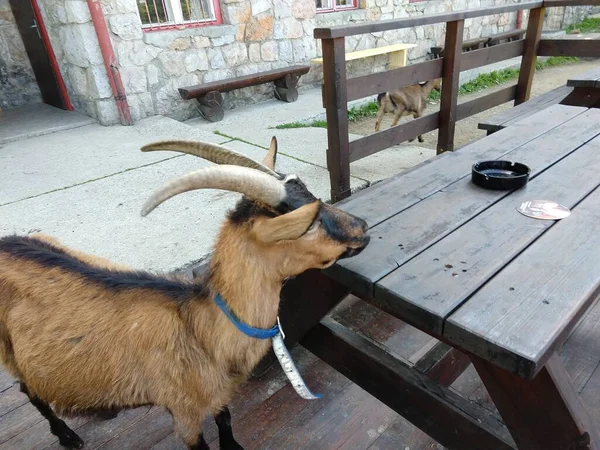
(397, 54)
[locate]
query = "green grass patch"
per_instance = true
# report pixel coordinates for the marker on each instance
(483, 81)
(589, 25)
(367, 110)
(556, 61)
(314, 124)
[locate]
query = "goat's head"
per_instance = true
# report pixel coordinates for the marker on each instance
(278, 214)
(437, 84)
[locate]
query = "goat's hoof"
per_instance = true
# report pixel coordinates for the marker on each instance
(421, 140)
(68, 438)
(231, 445)
(410, 140)
(107, 415)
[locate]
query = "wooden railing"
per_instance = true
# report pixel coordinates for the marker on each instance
(338, 90)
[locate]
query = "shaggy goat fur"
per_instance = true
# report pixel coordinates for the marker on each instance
(408, 100)
(84, 334)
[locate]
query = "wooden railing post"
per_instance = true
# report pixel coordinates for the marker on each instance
(336, 106)
(532, 42)
(451, 75)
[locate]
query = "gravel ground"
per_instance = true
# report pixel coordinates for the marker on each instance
(466, 130)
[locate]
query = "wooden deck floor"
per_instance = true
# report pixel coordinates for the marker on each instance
(269, 415)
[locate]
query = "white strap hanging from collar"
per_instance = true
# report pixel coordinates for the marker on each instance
(289, 368)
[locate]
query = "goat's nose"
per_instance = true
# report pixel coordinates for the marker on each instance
(358, 222)
(366, 239)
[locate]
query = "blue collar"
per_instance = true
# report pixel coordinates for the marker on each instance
(258, 333)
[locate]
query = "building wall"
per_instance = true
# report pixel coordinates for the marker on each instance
(17, 81)
(78, 53)
(560, 18)
(256, 35)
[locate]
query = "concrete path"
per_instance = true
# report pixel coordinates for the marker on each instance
(86, 185)
(36, 120)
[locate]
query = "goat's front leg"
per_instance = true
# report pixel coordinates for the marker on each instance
(200, 444)
(59, 428)
(401, 109)
(380, 114)
(188, 426)
(416, 116)
(226, 439)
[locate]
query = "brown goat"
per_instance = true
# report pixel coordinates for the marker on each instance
(84, 335)
(408, 100)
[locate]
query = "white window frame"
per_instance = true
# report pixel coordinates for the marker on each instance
(175, 18)
(332, 7)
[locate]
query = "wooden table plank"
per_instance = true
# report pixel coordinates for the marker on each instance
(524, 110)
(523, 313)
(405, 235)
(392, 196)
(590, 79)
(428, 288)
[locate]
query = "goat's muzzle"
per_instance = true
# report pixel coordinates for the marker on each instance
(360, 244)
(353, 251)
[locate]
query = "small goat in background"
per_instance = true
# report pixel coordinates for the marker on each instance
(408, 100)
(85, 335)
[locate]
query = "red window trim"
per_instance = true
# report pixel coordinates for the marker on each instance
(339, 8)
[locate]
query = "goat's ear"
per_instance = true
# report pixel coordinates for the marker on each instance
(286, 227)
(271, 157)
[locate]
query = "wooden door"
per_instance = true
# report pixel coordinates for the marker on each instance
(38, 53)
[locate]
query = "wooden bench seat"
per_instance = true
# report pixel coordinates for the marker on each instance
(487, 41)
(397, 54)
(508, 36)
(467, 46)
(523, 110)
(210, 98)
(474, 44)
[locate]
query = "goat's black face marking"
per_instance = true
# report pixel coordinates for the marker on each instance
(50, 256)
(297, 195)
(341, 227)
(345, 230)
(246, 209)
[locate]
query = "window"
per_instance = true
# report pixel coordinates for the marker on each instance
(336, 5)
(160, 14)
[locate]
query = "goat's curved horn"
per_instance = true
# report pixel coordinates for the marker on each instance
(211, 152)
(250, 182)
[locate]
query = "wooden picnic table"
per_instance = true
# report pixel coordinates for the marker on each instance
(586, 89)
(462, 264)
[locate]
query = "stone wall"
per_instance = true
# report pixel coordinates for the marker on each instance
(17, 81)
(255, 35)
(75, 44)
(559, 18)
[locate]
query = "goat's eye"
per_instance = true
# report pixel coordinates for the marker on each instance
(314, 225)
